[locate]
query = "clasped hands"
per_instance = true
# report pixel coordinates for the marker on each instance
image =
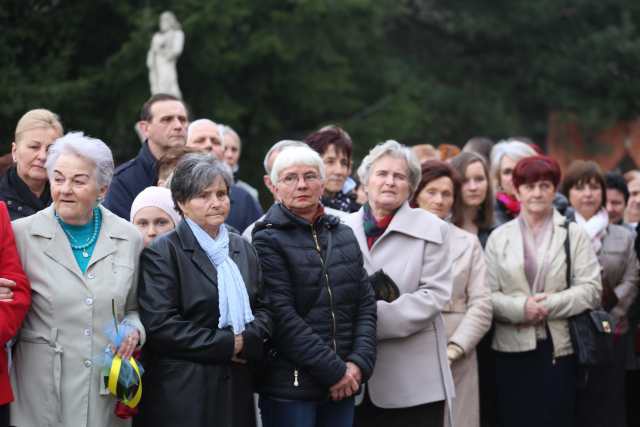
(534, 310)
(349, 384)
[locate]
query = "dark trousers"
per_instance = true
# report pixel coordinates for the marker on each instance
(601, 401)
(427, 415)
(4, 415)
(534, 389)
(299, 413)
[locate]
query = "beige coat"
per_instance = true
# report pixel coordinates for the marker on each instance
(467, 317)
(620, 270)
(56, 374)
(411, 367)
(510, 289)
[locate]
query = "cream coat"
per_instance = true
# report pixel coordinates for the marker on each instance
(411, 367)
(56, 374)
(510, 289)
(467, 317)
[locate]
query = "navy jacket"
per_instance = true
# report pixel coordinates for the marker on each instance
(129, 180)
(21, 202)
(320, 321)
(244, 210)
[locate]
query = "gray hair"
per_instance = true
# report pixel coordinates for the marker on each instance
(512, 148)
(194, 173)
(91, 149)
(293, 156)
(224, 129)
(198, 122)
(396, 150)
(277, 147)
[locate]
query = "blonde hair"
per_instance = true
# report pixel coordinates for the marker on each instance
(38, 119)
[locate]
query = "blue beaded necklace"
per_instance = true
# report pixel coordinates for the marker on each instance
(77, 246)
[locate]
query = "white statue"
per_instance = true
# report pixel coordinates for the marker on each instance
(166, 47)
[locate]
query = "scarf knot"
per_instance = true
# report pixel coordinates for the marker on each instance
(233, 299)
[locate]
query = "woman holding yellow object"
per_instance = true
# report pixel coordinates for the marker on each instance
(79, 258)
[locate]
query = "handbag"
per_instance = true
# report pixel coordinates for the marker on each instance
(591, 331)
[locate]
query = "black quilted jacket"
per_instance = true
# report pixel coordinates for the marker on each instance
(320, 321)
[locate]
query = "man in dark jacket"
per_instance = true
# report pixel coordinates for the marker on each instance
(324, 341)
(163, 123)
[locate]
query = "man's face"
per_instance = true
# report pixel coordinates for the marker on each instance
(634, 196)
(615, 205)
(204, 137)
(168, 125)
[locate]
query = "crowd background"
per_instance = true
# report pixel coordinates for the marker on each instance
(416, 71)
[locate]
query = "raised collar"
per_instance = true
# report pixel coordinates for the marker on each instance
(146, 158)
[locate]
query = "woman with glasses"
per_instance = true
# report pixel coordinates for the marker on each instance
(323, 345)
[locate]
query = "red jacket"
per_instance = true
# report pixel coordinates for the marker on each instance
(11, 312)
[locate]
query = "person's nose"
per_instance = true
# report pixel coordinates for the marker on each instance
(65, 188)
(151, 230)
(42, 154)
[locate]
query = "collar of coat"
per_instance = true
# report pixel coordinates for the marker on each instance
(278, 216)
(413, 222)
(45, 224)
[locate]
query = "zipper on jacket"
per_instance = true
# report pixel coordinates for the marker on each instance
(329, 291)
(295, 378)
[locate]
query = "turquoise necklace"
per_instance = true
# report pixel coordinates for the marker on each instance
(78, 246)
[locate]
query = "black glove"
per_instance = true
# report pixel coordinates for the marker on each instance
(384, 287)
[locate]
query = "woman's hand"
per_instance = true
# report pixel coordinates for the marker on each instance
(129, 344)
(349, 384)
(238, 346)
(6, 294)
(534, 311)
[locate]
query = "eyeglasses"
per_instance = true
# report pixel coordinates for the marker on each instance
(293, 179)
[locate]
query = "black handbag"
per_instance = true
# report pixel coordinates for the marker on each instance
(592, 330)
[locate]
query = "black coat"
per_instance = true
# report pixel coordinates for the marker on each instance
(21, 202)
(190, 379)
(320, 322)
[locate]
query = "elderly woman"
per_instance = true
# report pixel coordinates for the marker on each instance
(15, 297)
(80, 259)
(467, 316)
(323, 347)
(25, 188)
(504, 157)
(474, 213)
(412, 378)
(532, 302)
(199, 302)
(153, 213)
(602, 401)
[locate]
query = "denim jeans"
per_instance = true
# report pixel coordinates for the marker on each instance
(299, 413)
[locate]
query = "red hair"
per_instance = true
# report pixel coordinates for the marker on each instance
(536, 168)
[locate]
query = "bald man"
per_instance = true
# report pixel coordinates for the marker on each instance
(204, 135)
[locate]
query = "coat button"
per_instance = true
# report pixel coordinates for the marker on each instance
(87, 363)
(88, 301)
(19, 208)
(91, 275)
(87, 332)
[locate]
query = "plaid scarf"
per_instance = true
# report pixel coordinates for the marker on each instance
(374, 229)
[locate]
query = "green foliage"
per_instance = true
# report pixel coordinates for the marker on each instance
(414, 70)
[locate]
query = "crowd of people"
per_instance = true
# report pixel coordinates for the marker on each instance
(431, 292)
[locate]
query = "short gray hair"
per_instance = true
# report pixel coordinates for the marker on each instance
(514, 149)
(199, 122)
(194, 173)
(396, 150)
(91, 149)
(293, 156)
(279, 146)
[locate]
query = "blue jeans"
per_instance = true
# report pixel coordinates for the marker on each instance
(299, 413)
